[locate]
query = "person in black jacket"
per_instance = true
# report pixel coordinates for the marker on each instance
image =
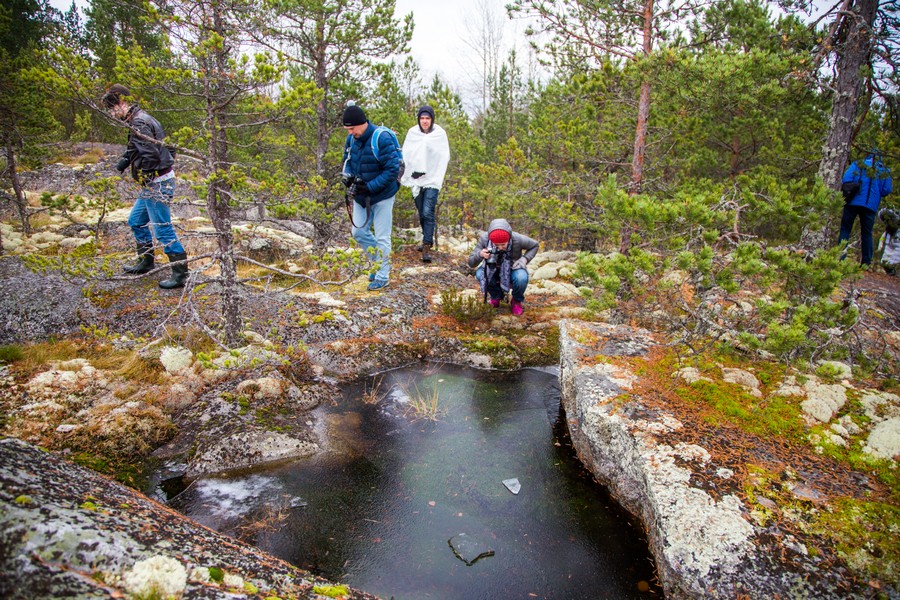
(151, 166)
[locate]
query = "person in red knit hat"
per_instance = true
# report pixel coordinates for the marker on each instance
(506, 255)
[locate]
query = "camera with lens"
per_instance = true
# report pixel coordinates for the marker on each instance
(494, 256)
(352, 183)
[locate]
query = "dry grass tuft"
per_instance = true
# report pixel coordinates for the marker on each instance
(373, 394)
(423, 404)
(121, 434)
(267, 520)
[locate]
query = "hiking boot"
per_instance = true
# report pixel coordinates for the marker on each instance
(426, 253)
(516, 307)
(495, 302)
(145, 260)
(378, 284)
(179, 272)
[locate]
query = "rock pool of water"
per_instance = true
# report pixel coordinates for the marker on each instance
(403, 477)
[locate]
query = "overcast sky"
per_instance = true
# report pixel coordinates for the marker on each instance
(445, 31)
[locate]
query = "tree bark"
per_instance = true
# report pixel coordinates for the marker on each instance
(853, 55)
(323, 129)
(216, 197)
(643, 117)
(20, 199)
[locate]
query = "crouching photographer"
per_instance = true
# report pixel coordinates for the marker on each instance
(506, 255)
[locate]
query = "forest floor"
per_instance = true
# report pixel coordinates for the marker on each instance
(403, 322)
(884, 291)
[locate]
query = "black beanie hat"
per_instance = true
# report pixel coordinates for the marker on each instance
(353, 115)
(425, 110)
(114, 95)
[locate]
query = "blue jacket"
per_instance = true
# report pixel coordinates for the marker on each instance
(875, 183)
(380, 174)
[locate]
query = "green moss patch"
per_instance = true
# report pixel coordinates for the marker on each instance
(866, 535)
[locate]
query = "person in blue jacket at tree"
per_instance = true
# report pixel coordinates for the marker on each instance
(875, 182)
(372, 173)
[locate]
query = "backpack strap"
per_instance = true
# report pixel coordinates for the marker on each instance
(376, 133)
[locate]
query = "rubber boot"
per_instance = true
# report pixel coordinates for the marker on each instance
(426, 252)
(179, 272)
(145, 260)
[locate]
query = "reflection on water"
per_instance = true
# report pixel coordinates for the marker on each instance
(377, 510)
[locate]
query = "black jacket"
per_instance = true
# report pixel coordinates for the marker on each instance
(148, 158)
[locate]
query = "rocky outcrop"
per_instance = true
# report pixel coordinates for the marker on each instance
(36, 305)
(67, 532)
(260, 420)
(704, 539)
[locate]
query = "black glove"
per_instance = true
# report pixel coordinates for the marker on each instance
(122, 164)
(417, 174)
(355, 186)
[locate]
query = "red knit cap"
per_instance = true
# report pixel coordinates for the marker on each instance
(499, 236)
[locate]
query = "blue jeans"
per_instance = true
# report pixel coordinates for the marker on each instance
(519, 283)
(426, 201)
(150, 216)
(377, 246)
(866, 223)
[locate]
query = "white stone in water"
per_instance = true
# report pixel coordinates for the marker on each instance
(512, 485)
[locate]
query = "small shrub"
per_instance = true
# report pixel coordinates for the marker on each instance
(11, 353)
(464, 308)
(828, 372)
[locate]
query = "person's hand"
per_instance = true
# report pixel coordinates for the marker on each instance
(520, 264)
(417, 174)
(485, 253)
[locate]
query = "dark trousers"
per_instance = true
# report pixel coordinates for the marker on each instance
(866, 223)
(426, 200)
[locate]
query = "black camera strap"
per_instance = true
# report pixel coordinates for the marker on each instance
(350, 199)
(348, 202)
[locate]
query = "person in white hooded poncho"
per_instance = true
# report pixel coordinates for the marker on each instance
(426, 153)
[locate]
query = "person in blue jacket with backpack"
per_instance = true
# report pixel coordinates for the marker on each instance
(372, 163)
(863, 187)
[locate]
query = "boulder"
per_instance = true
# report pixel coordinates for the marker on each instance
(703, 541)
(94, 538)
